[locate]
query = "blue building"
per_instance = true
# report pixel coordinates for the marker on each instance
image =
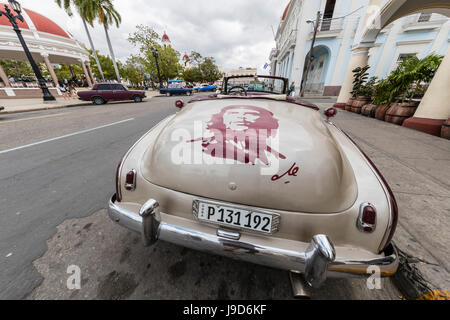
(341, 22)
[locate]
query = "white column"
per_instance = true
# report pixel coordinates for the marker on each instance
(304, 30)
(441, 38)
(436, 102)
(4, 77)
(389, 46)
(50, 68)
(86, 73)
(434, 108)
(359, 58)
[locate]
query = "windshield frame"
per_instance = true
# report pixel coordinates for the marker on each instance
(285, 82)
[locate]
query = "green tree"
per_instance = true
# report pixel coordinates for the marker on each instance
(134, 70)
(107, 66)
(202, 69)
(107, 15)
(192, 75)
(196, 58)
(64, 72)
(169, 59)
(210, 71)
(86, 11)
(16, 69)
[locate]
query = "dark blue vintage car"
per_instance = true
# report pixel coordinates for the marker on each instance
(175, 88)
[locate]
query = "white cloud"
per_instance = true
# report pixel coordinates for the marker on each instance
(234, 32)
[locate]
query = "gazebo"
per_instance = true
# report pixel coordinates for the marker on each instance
(48, 43)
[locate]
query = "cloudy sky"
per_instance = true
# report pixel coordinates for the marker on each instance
(236, 33)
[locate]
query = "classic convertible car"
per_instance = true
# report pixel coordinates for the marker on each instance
(261, 177)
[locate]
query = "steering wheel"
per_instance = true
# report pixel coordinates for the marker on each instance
(238, 87)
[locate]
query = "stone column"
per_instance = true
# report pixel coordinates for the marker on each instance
(86, 73)
(4, 77)
(71, 71)
(359, 58)
(308, 11)
(434, 108)
(88, 66)
(50, 68)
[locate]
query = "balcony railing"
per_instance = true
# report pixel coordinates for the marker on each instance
(330, 24)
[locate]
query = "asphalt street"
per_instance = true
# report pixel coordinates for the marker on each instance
(43, 184)
(57, 174)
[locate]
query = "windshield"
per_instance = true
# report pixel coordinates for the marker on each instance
(175, 85)
(263, 84)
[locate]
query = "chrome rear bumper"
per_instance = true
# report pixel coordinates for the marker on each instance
(318, 262)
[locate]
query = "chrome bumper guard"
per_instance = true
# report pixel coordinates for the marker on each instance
(317, 263)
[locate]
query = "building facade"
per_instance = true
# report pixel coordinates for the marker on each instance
(417, 34)
(48, 43)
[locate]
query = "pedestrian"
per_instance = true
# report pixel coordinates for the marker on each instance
(64, 92)
(291, 89)
(73, 91)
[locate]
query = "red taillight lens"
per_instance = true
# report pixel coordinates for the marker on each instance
(369, 215)
(179, 104)
(130, 180)
(367, 219)
(330, 112)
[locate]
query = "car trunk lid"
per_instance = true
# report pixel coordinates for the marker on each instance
(277, 155)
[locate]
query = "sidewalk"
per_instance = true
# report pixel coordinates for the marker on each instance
(417, 168)
(27, 105)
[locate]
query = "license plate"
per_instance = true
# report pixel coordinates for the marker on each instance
(236, 217)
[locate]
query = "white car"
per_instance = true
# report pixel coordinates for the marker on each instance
(260, 177)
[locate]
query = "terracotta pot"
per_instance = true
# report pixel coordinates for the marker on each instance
(359, 103)
(445, 131)
(348, 106)
(399, 112)
(381, 111)
(369, 110)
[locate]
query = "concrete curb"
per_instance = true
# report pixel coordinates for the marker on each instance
(45, 108)
(86, 103)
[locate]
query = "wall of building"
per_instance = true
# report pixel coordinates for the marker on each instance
(403, 37)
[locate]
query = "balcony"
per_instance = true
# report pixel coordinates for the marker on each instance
(330, 24)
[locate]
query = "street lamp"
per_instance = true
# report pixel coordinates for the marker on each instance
(13, 20)
(156, 55)
(310, 58)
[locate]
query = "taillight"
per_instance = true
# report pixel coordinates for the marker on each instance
(367, 220)
(179, 104)
(130, 180)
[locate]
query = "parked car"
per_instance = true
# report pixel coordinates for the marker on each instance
(103, 92)
(277, 184)
(175, 89)
(206, 88)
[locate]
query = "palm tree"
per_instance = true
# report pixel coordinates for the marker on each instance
(82, 6)
(107, 15)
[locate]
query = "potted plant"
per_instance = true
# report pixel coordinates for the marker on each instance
(359, 80)
(368, 91)
(382, 99)
(445, 131)
(411, 79)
